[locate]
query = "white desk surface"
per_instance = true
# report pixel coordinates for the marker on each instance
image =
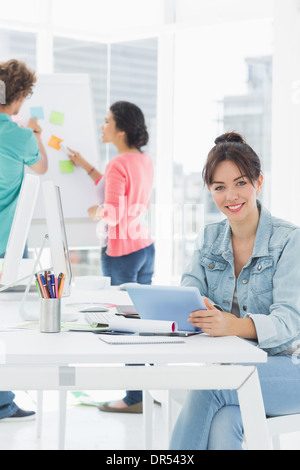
(34, 347)
(30, 359)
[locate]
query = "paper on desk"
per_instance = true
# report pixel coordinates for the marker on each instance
(133, 325)
(123, 339)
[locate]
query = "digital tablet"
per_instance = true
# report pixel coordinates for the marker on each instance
(168, 303)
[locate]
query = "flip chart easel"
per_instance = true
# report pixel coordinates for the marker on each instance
(64, 107)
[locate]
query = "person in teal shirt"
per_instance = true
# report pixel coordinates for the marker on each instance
(18, 147)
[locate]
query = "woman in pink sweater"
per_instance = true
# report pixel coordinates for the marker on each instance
(129, 254)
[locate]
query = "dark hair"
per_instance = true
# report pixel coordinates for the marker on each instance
(18, 78)
(130, 119)
(232, 146)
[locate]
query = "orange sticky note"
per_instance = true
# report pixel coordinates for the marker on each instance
(54, 142)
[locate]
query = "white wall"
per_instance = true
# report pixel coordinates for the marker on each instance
(285, 197)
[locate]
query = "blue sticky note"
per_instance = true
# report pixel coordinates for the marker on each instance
(37, 112)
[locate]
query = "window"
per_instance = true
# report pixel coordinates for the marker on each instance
(74, 56)
(18, 45)
(222, 84)
(123, 71)
(134, 78)
(223, 62)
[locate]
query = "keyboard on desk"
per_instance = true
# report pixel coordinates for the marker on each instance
(98, 319)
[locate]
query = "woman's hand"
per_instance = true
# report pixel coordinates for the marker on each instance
(94, 213)
(77, 159)
(33, 124)
(213, 321)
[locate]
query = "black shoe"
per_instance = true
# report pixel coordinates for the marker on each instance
(19, 416)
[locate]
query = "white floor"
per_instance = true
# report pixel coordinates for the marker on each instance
(86, 428)
(89, 429)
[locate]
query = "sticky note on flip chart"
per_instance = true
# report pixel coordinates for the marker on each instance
(37, 112)
(54, 142)
(57, 118)
(66, 166)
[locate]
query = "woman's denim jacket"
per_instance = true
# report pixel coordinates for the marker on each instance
(268, 287)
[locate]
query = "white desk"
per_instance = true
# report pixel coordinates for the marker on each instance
(30, 360)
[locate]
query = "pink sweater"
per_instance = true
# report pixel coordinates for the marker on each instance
(128, 185)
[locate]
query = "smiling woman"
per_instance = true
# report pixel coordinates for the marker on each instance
(233, 176)
(245, 267)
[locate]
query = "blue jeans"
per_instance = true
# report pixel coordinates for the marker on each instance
(211, 419)
(7, 404)
(135, 267)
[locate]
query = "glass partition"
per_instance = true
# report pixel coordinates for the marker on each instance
(18, 45)
(75, 56)
(223, 83)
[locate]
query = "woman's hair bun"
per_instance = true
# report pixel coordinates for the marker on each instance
(230, 137)
(130, 119)
(232, 147)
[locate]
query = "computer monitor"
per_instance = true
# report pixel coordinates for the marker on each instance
(15, 269)
(57, 233)
(56, 236)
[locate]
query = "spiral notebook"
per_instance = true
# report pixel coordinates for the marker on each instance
(120, 339)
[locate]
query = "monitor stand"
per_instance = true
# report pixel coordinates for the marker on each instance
(32, 315)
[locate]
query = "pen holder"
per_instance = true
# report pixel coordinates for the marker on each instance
(50, 315)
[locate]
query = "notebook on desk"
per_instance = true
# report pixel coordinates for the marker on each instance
(123, 339)
(169, 303)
